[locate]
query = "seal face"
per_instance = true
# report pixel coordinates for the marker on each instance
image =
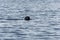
(27, 18)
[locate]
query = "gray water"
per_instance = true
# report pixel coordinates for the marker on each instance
(45, 23)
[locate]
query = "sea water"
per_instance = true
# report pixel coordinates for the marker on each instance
(44, 23)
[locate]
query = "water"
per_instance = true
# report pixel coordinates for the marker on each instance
(45, 23)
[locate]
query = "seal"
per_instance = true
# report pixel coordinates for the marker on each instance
(27, 18)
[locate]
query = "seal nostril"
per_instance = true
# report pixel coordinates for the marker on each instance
(27, 18)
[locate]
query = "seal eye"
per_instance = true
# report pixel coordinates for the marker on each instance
(27, 18)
